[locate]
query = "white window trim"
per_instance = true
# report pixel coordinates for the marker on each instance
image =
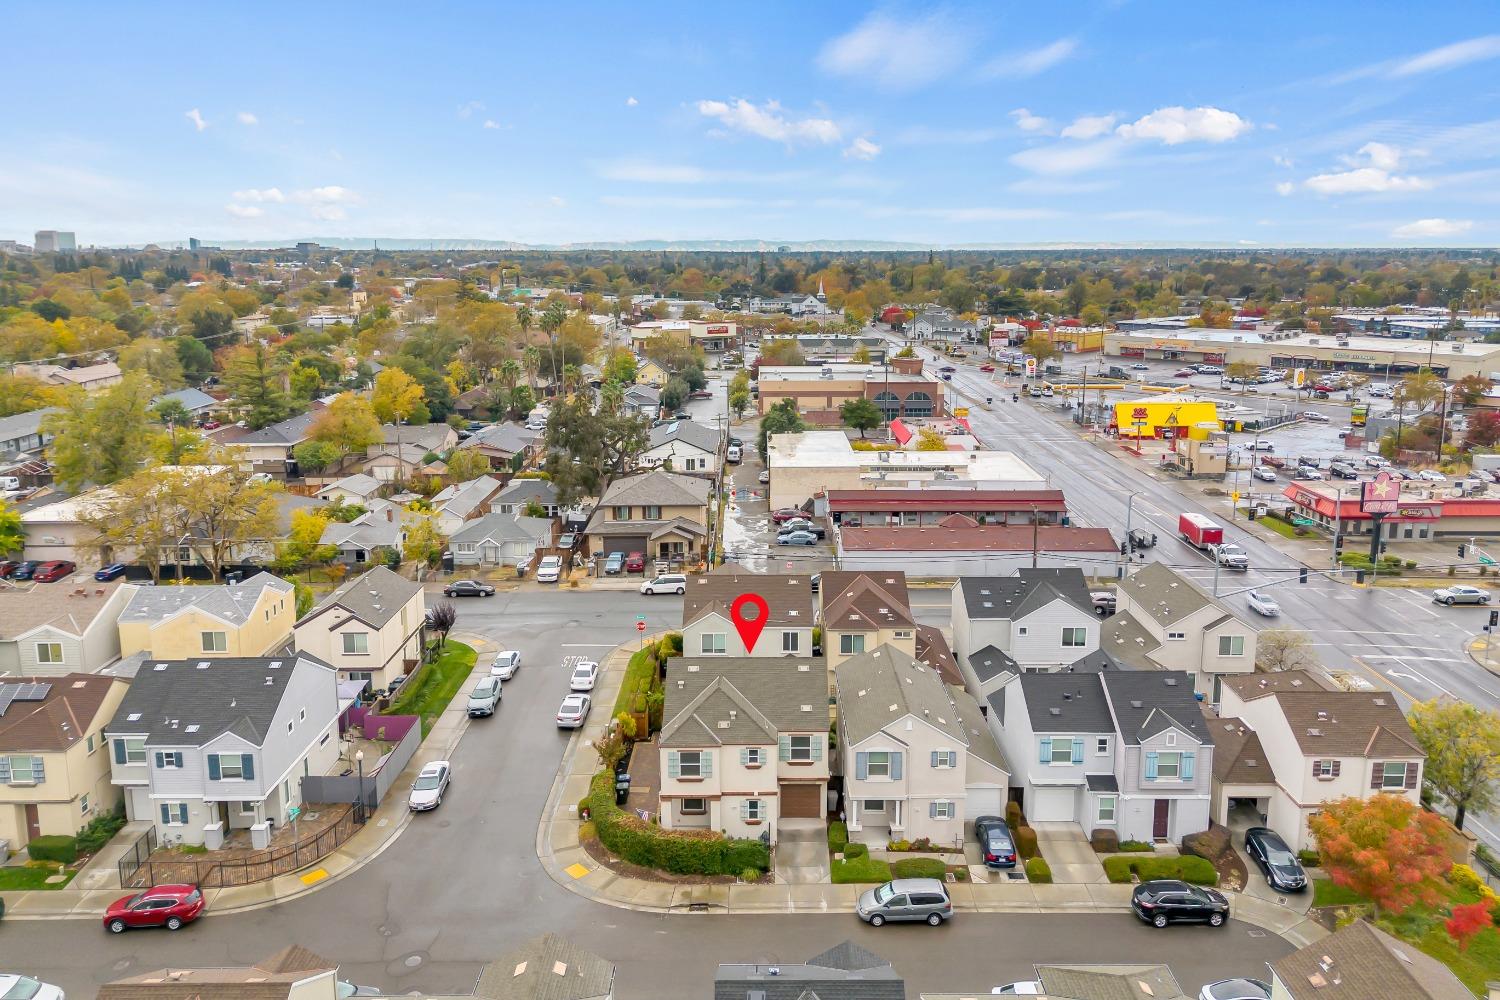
(1176, 775)
(754, 811)
(713, 643)
(755, 757)
(1230, 639)
(352, 635)
(870, 764)
(1083, 637)
(697, 763)
(945, 809)
(1176, 636)
(695, 812)
(1102, 746)
(49, 647)
(1114, 810)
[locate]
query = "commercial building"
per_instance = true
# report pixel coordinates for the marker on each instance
(901, 389)
(957, 546)
(1166, 417)
(55, 241)
(872, 508)
(1424, 513)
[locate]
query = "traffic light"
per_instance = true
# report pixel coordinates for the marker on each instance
(1338, 543)
(1461, 550)
(1494, 619)
(1302, 578)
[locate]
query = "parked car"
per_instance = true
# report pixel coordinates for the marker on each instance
(109, 572)
(585, 675)
(505, 664)
(1314, 416)
(1277, 863)
(574, 710)
(1309, 472)
(736, 441)
(1431, 476)
(995, 842)
(7, 567)
(23, 571)
(803, 525)
(468, 588)
(700, 394)
(614, 564)
(1461, 594)
(26, 988)
(549, 569)
(987, 369)
(797, 538)
(764, 477)
(427, 791)
(1236, 989)
(947, 368)
(1184, 373)
(787, 514)
(635, 562)
(1344, 470)
(905, 899)
(1264, 473)
(1140, 538)
(49, 572)
(168, 906)
(667, 583)
(1263, 605)
(1140, 367)
(1105, 602)
(485, 697)
(568, 540)
(1169, 901)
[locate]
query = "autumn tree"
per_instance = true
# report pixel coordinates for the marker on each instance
(12, 535)
(781, 418)
(1467, 920)
(303, 547)
(1469, 389)
(315, 456)
(204, 315)
(585, 447)
(348, 423)
(24, 393)
(1483, 430)
(396, 396)
(1284, 649)
(861, 355)
(224, 512)
(424, 543)
(1462, 743)
(1385, 848)
(1040, 347)
(861, 414)
(466, 464)
(784, 352)
(930, 440)
(157, 358)
(1420, 389)
(619, 367)
(104, 436)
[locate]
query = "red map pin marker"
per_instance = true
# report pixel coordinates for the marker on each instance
(749, 628)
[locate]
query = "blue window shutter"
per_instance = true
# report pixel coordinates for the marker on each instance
(213, 767)
(177, 759)
(119, 751)
(786, 748)
(932, 810)
(182, 812)
(1187, 766)
(1046, 749)
(4, 770)
(708, 763)
(744, 756)
(672, 769)
(38, 769)
(247, 765)
(161, 760)
(166, 814)
(1078, 749)
(896, 765)
(1150, 765)
(935, 759)
(817, 746)
(861, 766)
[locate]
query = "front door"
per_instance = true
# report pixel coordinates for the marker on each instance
(1159, 818)
(33, 821)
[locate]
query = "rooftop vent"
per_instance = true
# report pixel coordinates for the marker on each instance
(723, 723)
(692, 668)
(160, 666)
(1170, 682)
(270, 681)
(1136, 704)
(1380, 702)
(203, 664)
(1315, 732)
(803, 668)
(1054, 711)
(133, 717)
(192, 728)
(275, 664)
(805, 708)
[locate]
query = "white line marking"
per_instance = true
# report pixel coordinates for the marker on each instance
(1412, 659)
(589, 645)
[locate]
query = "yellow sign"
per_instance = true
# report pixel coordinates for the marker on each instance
(960, 411)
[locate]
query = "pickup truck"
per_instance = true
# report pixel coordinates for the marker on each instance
(1231, 556)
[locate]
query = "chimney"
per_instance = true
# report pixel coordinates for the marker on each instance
(390, 514)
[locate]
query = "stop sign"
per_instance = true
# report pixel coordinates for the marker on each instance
(640, 626)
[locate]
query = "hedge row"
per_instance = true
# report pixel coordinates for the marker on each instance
(838, 836)
(682, 852)
(1187, 868)
(860, 870)
(919, 868)
(53, 847)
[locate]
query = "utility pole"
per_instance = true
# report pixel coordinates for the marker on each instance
(1338, 527)
(1035, 529)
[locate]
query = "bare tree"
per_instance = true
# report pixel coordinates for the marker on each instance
(1284, 649)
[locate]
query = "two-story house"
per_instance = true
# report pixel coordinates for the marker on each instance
(1038, 620)
(1165, 621)
(918, 760)
(685, 446)
(61, 628)
(250, 618)
(54, 765)
(201, 747)
(662, 514)
(743, 744)
(865, 611)
(708, 627)
(1127, 751)
(1307, 746)
(521, 492)
(462, 503)
(369, 629)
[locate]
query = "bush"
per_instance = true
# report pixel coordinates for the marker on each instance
(682, 852)
(898, 845)
(1137, 847)
(1026, 842)
(860, 870)
(1104, 841)
(99, 831)
(1199, 871)
(1038, 871)
(1013, 815)
(919, 868)
(856, 850)
(1210, 844)
(53, 847)
(1309, 859)
(750, 874)
(838, 836)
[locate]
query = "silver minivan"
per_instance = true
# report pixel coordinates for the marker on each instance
(906, 899)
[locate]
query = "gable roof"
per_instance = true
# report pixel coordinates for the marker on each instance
(990, 662)
(880, 686)
(1126, 639)
(843, 972)
(290, 431)
(656, 488)
(190, 398)
(689, 432)
(767, 695)
(65, 610)
(1066, 703)
(508, 439)
(788, 596)
(1012, 597)
(1146, 703)
(1165, 595)
(549, 967)
(192, 702)
(865, 601)
(1348, 723)
(359, 484)
(1259, 685)
(428, 437)
(230, 603)
(59, 719)
(520, 490)
(498, 527)
(371, 530)
(981, 740)
(271, 978)
(462, 499)
(1362, 962)
(1104, 982)
(1239, 758)
(374, 597)
(932, 650)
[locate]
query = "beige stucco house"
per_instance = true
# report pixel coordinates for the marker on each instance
(863, 611)
(252, 618)
(708, 628)
(369, 629)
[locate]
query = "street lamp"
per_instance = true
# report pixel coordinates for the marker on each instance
(359, 762)
(1129, 507)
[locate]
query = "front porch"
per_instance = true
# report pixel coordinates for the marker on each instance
(875, 822)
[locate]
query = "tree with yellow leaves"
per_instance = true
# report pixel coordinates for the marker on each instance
(396, 396)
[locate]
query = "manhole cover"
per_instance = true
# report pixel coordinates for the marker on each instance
(412, 961)
(406, 964)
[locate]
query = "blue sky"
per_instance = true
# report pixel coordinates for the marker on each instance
(1328, 123)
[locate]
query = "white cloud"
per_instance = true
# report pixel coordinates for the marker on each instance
(1432, 228)
(1089, 127)
(769, 122)
(491, 123)
(650, 172)
(330, 195)
(244, 211)
(1364, 180)
(631, 102)
(1028, 122)
(898, 53)
(1283, 161)
(1449, 56)
(259, 194)
(196, 117)
(1032, 62)
(1177, 125)
(1381, 155)
(862, 149)
(1068, 158)
(247, 118)
(673, 202)
(1285, 188)
(468, 108)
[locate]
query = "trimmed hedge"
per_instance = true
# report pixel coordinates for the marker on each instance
(1210, 843)
(1187, 868)
(1137, 847)
(1309, 859)
(856, 850)
(682, 852)
(1013, 814)
(919, 868)
(1038, 871)
(860, 870)
(838, 836)
(1026, 842)
(53, 847)
(1104, 841)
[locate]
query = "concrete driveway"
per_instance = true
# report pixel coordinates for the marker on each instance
(1240, 820)
(802, 852)
(1069, 854)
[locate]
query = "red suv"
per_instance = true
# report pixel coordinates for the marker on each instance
(635, 562)
(168, 906)
(47, 572)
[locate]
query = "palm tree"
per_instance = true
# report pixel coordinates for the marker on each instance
(510, 373)
(531, 360)
(572, 379)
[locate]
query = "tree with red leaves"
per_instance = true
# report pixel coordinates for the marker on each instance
(1385, 848)
(1484, 429)
(1468, 919)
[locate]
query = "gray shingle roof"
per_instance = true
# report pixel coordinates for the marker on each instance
(237, 695)
(1366, 964)
(1076, 699)
(19, 425)
(1012, 597)
(1165, 595)
(990, 662)
(549, 967)
(981, 740)
(768, 696)
(1095, 662)
(359, 484)
(290, 431)
(1148, 702)
(1102, 982)
(521, 490)
(1127, 640)
(191, 399)
(428, 437)
(700, 436)
(844, 972)
(788, 596)
(665, 489)
(882, 685)
(370, 531)
(374, 598)
(232, 603)
(499, 527)
(849, 957)
(462, 499)
(509, 439)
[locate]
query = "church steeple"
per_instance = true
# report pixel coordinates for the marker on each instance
(821, 296)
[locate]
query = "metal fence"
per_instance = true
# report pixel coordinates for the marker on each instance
(137, 855)
(254, 867)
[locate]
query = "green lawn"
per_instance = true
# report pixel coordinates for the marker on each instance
(860, 870)
(31, 877)
(1281, 527)
(435, 685)
(1326, 893)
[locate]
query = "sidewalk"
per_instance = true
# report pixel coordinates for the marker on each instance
(381, 830)
(571, 867)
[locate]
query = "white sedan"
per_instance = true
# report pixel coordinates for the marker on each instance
(1314, 416)
(1264, 473)
(1261, 604)
(28, 988)
(1432, 476)
(585, 674)
(507, 662)
(574, 710)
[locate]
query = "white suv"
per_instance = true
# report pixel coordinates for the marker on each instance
(549, 569)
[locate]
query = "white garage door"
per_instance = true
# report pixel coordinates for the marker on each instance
(1051, 805)
(984, 802)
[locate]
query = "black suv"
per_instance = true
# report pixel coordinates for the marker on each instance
(1168, 901)
(1277, 863)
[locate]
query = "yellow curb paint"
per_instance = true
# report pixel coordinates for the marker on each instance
(577, 870)
(314, 876)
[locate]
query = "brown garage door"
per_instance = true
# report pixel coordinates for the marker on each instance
(801, 802)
